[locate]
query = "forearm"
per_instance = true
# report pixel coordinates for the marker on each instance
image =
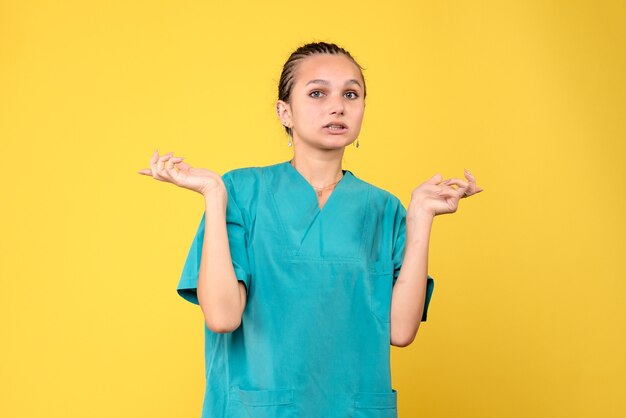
(409, 292)
(218, 287)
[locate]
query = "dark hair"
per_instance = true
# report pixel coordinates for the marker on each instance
(287, 76)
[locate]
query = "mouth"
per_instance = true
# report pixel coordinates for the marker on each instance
(336, 127)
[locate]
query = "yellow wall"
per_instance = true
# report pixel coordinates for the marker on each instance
(527, 319)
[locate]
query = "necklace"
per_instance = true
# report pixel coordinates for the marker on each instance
(319, 190)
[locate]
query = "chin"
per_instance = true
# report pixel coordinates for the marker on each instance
(336, 143)
(330, 142)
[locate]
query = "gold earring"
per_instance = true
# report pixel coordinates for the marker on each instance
(290, 143)
(356, 144)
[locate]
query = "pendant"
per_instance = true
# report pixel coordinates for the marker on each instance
(319, 193)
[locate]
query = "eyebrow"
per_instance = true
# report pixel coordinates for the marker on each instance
(319, 81)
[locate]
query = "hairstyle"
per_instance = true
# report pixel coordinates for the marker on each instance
(285, 85)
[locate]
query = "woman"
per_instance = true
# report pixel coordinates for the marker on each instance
(300, 267)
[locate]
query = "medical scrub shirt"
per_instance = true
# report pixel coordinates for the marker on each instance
(314, 339)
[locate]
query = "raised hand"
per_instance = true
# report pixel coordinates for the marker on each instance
(172, 170)
(437, 197)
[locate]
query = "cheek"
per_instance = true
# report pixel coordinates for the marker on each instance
(310, 114)
(359, 112)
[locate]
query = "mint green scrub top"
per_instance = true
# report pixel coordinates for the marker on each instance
(314, 339)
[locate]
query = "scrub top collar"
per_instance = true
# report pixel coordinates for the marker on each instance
(307, 193)
(305, 225)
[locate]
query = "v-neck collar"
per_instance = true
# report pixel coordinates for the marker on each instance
(308, 229)
(299, 178)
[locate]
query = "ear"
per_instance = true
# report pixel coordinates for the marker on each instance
(283, 110)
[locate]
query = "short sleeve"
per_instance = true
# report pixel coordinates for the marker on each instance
(398, 254)
(237, 240)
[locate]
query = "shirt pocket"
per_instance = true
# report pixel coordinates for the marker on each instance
(381, 283)
(376, 404)
(267, 403)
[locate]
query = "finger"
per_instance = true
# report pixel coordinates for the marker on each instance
(159, 168)
(475, 192)
(458, 182)
(471, 179)
(167, 173)
(446, 191)
(436, 179)
(145, 171)
(166, 156)
(153, 161)
(448, 194)
(175, 161)
(172, 171)
(469, 175)
(176, 165)
(171, 163)
(162, 160)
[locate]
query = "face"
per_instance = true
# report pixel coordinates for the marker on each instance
(328, 89)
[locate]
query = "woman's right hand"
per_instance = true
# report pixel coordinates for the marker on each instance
(171, 169)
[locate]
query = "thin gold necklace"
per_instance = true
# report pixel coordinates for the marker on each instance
(319, 190)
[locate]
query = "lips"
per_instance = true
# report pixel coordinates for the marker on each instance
(340, 124)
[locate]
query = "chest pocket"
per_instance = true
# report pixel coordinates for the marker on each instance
(381, 284)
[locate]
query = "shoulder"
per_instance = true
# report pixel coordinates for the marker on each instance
(241, 174)
(252, 176)
(247, 183)
(380, 198)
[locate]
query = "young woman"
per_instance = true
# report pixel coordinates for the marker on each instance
(305, 273)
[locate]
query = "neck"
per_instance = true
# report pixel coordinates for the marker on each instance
(319, 171)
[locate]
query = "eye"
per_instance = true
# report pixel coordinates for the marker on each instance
(354, 95)
(312, 94)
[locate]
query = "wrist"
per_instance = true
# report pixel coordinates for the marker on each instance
(419, 225)
(216, 198)
(416, 213)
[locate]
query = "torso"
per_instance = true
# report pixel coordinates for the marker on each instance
(318, 303)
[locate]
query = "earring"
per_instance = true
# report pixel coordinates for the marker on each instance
(356, 144)
(290, 143)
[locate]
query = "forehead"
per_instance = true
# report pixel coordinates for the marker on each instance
(334, 68)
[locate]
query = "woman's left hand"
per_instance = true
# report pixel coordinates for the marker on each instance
(436, 197)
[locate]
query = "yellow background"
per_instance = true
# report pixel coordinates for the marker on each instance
(527, 318)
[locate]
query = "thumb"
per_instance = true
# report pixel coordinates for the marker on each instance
(183, 166)
(436, 179)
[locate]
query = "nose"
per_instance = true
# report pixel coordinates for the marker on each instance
(336, 106)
